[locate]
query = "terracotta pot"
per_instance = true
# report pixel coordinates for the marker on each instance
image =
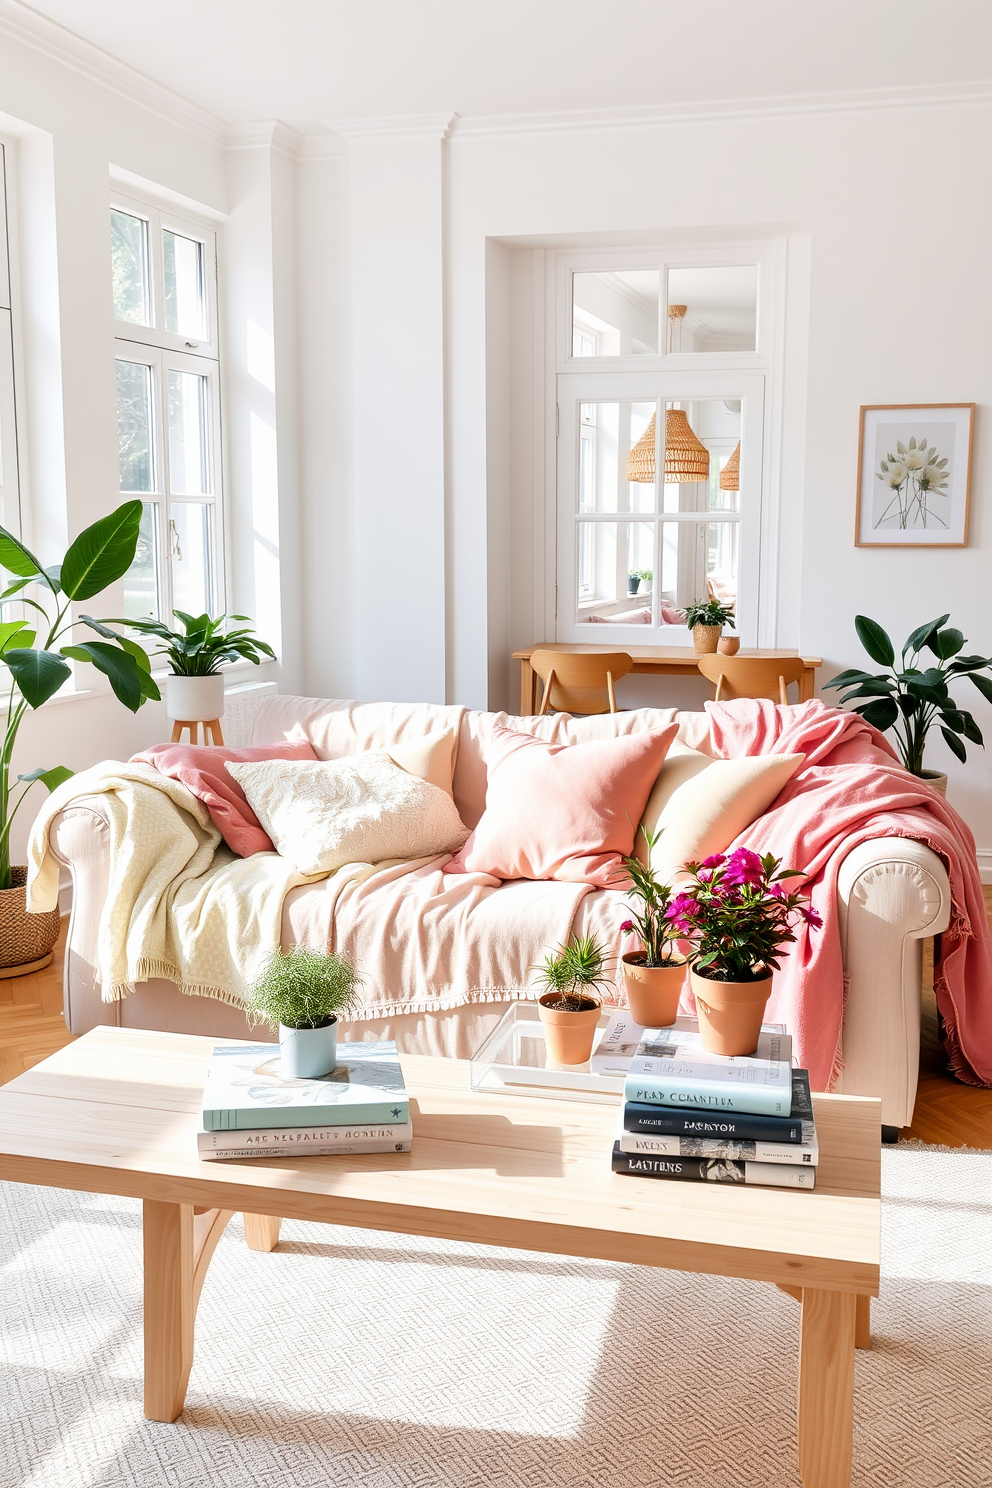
(653, 992)
(569, 1035)
(26, 940)
(706, 638)
(729, 645)
(730, 1013)
(936, 780)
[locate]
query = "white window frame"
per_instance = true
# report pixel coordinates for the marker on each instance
(164, 351)
(753, 376)
(10, 500)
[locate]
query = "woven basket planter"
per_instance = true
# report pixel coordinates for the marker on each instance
(24, 938)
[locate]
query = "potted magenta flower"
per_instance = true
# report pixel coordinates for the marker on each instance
(738, 919)
(654, 975)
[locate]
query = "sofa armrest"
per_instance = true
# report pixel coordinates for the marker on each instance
(893, 894)
(80, 838)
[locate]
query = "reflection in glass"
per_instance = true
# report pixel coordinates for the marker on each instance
(189, 538)
(699, 561)
(616, 313)
(141, 579)
(182, 263)
(129, 268)
(719, 309)
(188, 475)
(134, 426)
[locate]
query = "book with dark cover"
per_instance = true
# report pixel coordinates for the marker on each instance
(245, 1089)
(639, 1116)
(712, 1170)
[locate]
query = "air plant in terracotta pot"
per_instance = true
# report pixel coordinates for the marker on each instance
(738, 919)
(654, 975)
(569, 1007)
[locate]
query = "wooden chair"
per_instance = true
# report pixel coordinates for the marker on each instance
(751, 676)
(580, 681)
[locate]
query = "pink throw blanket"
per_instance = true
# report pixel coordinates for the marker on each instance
(852, 789)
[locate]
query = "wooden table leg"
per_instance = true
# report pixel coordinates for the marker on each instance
(807, 683)
(178, 1243)
(261, 1231)
(528, 703)
(826, 1388)
(862, 1324)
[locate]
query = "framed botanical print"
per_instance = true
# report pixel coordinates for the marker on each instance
(914, 475)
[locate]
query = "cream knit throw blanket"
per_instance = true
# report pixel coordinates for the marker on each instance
(179, 905)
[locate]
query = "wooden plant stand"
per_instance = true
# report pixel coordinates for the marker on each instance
(210, 726)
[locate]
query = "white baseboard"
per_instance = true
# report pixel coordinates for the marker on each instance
(984, 855)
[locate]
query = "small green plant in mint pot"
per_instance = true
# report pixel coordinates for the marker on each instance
(572, 976)
(304, 992)
(706, 619)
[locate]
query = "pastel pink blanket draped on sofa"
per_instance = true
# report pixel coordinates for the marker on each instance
(852, 789)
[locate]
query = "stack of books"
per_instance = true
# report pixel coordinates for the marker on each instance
(695, 1116)
(249, 1110)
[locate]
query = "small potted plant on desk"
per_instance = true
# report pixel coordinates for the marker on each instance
(304, 993)
(738, 919)
(706, 619)
(570, 1006)
(911, 699)
(655, 975)
(194, 688)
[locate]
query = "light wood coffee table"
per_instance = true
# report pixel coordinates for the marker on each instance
(116, 1112)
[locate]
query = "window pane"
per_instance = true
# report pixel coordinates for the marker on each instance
(615, 314)
(141, 579)
(129, 263)
(189, 535)
(188, 473)
(134, 426)
(712, 309)
(699, 561)
(701, 436)
(182, 261)
(615, 571)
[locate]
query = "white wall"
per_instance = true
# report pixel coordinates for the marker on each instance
(898, 306)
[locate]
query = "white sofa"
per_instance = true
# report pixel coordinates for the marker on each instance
(894, 894)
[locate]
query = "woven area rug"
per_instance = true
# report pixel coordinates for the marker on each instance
(348, 1357)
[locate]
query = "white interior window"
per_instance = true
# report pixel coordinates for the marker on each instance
(10, 514)
(662, 378)
(168, 406)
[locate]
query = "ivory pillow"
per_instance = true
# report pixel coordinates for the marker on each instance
(432, 758)
(361, 809)
(714, 803)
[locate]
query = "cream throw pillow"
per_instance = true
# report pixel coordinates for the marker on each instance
(362, 809)
(701, 804)
(432, 758)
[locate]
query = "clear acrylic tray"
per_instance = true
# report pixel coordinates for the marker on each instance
(513, 1060)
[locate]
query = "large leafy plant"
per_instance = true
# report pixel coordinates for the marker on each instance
(911, 698)
(203, 644)
(38, 665)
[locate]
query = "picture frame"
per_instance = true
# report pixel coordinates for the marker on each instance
(914, 475)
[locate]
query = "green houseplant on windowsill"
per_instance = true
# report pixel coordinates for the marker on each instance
(36, 652)
(706, 619)
(911, 698)
(194, 689)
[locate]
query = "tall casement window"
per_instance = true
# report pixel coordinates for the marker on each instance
(164, 269)
(10, 513)
(664, 361)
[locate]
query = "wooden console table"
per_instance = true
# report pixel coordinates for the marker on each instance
(656, 661)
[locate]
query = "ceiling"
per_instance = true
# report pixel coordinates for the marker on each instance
(309, 60)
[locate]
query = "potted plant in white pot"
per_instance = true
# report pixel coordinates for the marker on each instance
(910, 699)
(36, 650)
(738, 919)
(194, 688)
(654, 975)
(304, 993)
(570, 1005)
(706, 619)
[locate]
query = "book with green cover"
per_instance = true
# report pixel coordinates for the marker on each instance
(245, 1089)
(672, 1068)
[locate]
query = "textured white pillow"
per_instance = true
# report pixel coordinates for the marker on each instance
(322, 814)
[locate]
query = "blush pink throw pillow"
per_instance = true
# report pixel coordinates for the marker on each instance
(565, 811)
(200, 768)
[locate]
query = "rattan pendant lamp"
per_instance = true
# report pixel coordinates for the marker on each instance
(730, 475)
(686, 458)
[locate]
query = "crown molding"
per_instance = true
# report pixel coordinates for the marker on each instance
(266, 134)
(21, 23)
(863, 100)
(395, 126)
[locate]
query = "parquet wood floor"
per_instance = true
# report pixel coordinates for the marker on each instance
(32, 1027)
